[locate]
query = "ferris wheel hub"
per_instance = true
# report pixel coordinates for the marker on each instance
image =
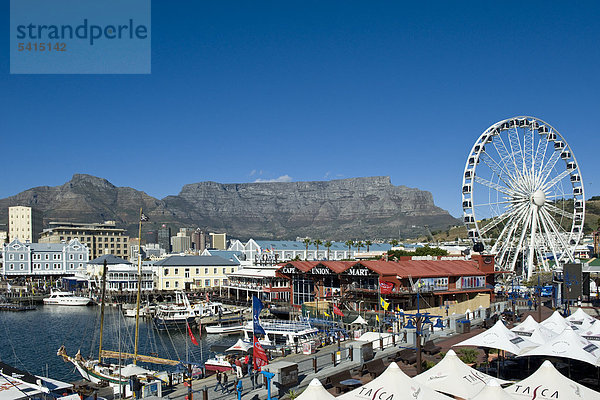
(538, 198)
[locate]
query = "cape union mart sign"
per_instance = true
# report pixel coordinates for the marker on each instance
(321, 270)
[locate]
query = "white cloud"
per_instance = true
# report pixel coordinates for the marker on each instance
(253, 172)
(282, 178)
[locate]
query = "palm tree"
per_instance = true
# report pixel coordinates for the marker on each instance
(317, 242)
(349, 243)
(394, 242)
(358, 245)
(368, 243)
(328, 244)
(306, 242)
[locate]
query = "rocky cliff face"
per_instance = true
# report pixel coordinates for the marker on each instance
(340, 209)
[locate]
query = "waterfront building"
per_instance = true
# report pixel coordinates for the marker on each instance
(98, 237)
(439, 280)
(262, 281)
(43, 259)
(164, 238)
(3, 236)
(193, 272)
(121, 276)
(24, 223)
(286, 250)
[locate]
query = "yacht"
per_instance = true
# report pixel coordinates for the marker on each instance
(280, 333)
(66, 299)
(176, 315)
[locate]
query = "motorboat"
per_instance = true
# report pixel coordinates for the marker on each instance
(225, 329)
(280, 333)
(61, 298)
(177, 315)
(217, 363)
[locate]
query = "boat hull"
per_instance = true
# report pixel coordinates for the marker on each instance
(165, 324)
(217, 367)
(224, 330)
(81, 301)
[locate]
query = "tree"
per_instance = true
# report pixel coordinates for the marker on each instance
(306, 243)
(394, 242)
(349, 243)
(358, 245)
(368, 243)
(317, 242)
(328, 244)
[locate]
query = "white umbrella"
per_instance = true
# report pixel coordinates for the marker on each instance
(556, 323)
(568, 345)
(359, 320)
(500, 337)
(592, 332)
(454, 377)
(533, 331)
(393, 384)
(548, 383)
(240, 345)
(492, 391)
(579, 317)
(315, 391)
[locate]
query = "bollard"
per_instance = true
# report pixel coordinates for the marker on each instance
(205, 393)
(393, 339)
(315, 364)
(333, 358)
(282, 352)
(381, 343)
(351, 350)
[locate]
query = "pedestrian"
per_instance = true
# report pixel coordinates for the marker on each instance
(238, 368)
(136, 387)
(529, 304)
(218, 384)
(579, 301)
(225, 384)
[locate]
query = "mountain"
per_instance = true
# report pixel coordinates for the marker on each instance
(332, 210)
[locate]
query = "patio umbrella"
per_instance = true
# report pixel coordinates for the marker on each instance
(492, 391)
(592, 332)
(580, 317)
(533, 331)
(393, 384)
(315, 391)
(360, 320)
(568, 345)
(239, 346)
(500, 337)
(556, 323)
(454, 377)
(548, 383)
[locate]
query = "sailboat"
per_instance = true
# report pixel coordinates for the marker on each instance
(116, 375)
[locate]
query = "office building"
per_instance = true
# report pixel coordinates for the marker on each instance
(164, 238)
(24, 223)
(218, 241)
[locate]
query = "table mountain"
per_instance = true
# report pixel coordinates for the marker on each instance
(337, 210)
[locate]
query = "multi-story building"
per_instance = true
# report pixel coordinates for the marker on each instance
(218, 241)
(3, 237)
(193, 272)
(44, 259)
(121, 276)
(164, 238)
(99, 238)
(24, 223)
(182, 242)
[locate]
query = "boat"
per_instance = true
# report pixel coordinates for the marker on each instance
(116, 375)
(224, 329)
(281, 333)
(217, 363)
(177, 315)
(147, 311)
(61, 298)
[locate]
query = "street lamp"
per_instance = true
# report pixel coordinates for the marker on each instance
(359, 303)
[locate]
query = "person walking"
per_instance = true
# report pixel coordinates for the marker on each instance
(225, 384)
(238, 368)
(250, 370)
(219, 384)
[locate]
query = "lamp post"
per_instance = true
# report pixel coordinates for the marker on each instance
(359, 303)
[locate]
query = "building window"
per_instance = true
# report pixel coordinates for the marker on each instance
(166, 272)
(47, 266)
(11, 266)
(21, 256)
(215, 271)
(176, 284)
(207, 282)
(81, 256)
(46, 256)
(205, 271)
(21, 266)
(71, 256)
(11, 256)
(71, 265)
(176, 271)
(187, 273)
(216, 282)
(166, 284)
(197, 271)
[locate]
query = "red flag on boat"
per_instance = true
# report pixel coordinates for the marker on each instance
(259, 356)
(337, 311)
(191, 335)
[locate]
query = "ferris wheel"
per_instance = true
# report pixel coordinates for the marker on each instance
(522, 195)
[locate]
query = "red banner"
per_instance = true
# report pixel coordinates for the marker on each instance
(337, 311)
(192, 335)
(386, 287)
(259, 356)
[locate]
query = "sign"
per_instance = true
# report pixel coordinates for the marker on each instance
(470, 282)
(386, 287)
(289, 270)
(572, 279)
(358, 271)
(321, 271)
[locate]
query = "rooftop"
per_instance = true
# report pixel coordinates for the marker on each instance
(195, 261)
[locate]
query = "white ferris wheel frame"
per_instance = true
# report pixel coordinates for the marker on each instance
(528, 228)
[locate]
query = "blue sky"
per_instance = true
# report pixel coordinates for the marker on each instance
(241, 91)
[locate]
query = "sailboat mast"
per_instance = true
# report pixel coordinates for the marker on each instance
(139, 292)
(104, 271)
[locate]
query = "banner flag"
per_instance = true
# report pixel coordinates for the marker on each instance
(191, 334)
(257, 306)
(259, 358)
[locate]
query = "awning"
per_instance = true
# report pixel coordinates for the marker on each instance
(315, 391)
(534, 332)
(239, 346)
(393, 384)
(556, 323)
(359, 320)
(568, 345)
(500, 337)
(548, 383)
(454, 377)
(492, 391)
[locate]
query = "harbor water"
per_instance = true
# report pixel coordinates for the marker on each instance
(30, 339)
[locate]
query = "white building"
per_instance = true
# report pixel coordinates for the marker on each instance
(122, 276)
(24, 223)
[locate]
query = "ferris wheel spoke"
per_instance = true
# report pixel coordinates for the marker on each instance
(494, 223)
(517, 150)
(549, 238)
(505, 238)
(555, 180)
(519, 248)
(506, 158)
(500, 172)
(528, 150)
(558, 235)
(557, 210)
(497, 203)
(540, 156)
(495, 186)
(547, 169)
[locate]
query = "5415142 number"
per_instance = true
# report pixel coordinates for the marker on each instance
(42, 46)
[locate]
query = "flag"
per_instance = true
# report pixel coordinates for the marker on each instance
(377, 318)
(337, 311)
(257, 306)
(144, 218)
(8, 287)
(207, 299)
(398, 309)
(327, 315)
(193, 339)
(386, 287)
(259, 356)
(384, 304)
